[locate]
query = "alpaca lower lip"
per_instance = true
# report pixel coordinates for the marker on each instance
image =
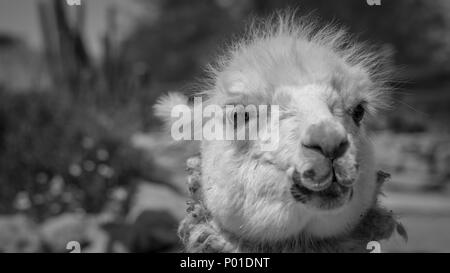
(331, 197)
(313, 185)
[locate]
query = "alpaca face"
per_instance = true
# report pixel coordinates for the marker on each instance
(320, 178)
(317, 182)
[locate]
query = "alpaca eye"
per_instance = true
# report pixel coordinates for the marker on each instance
(358, 114)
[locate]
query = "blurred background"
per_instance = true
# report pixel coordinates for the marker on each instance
(81, 156)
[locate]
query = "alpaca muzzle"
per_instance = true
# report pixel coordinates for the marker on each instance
(324, 183)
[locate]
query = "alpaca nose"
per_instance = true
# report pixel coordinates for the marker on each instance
(327, 137)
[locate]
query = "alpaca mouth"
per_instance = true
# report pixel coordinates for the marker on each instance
(326, 196)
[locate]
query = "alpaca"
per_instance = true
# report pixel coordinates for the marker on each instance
(317, 191)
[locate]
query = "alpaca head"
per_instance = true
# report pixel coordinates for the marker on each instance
(319, 179)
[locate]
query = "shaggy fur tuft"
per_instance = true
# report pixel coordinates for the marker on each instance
(278, 49)
(165, 104)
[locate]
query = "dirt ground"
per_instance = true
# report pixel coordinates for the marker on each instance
(418, 191)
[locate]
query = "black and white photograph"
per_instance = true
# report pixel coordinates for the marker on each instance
(224, 126)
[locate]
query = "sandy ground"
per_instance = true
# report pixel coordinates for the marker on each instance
(426, 217)
(424, 213)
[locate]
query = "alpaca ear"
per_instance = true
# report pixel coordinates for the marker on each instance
(164, 105)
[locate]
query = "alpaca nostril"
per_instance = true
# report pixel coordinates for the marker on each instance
(340, 150)
(330, 152)
(316, 148)
(309, 174)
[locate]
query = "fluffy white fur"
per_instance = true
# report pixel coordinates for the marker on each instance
(314, 73)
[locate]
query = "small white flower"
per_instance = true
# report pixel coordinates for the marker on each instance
(88, 143)
(102, 154)
(75, 170)
(105, 171)
(88, 165)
